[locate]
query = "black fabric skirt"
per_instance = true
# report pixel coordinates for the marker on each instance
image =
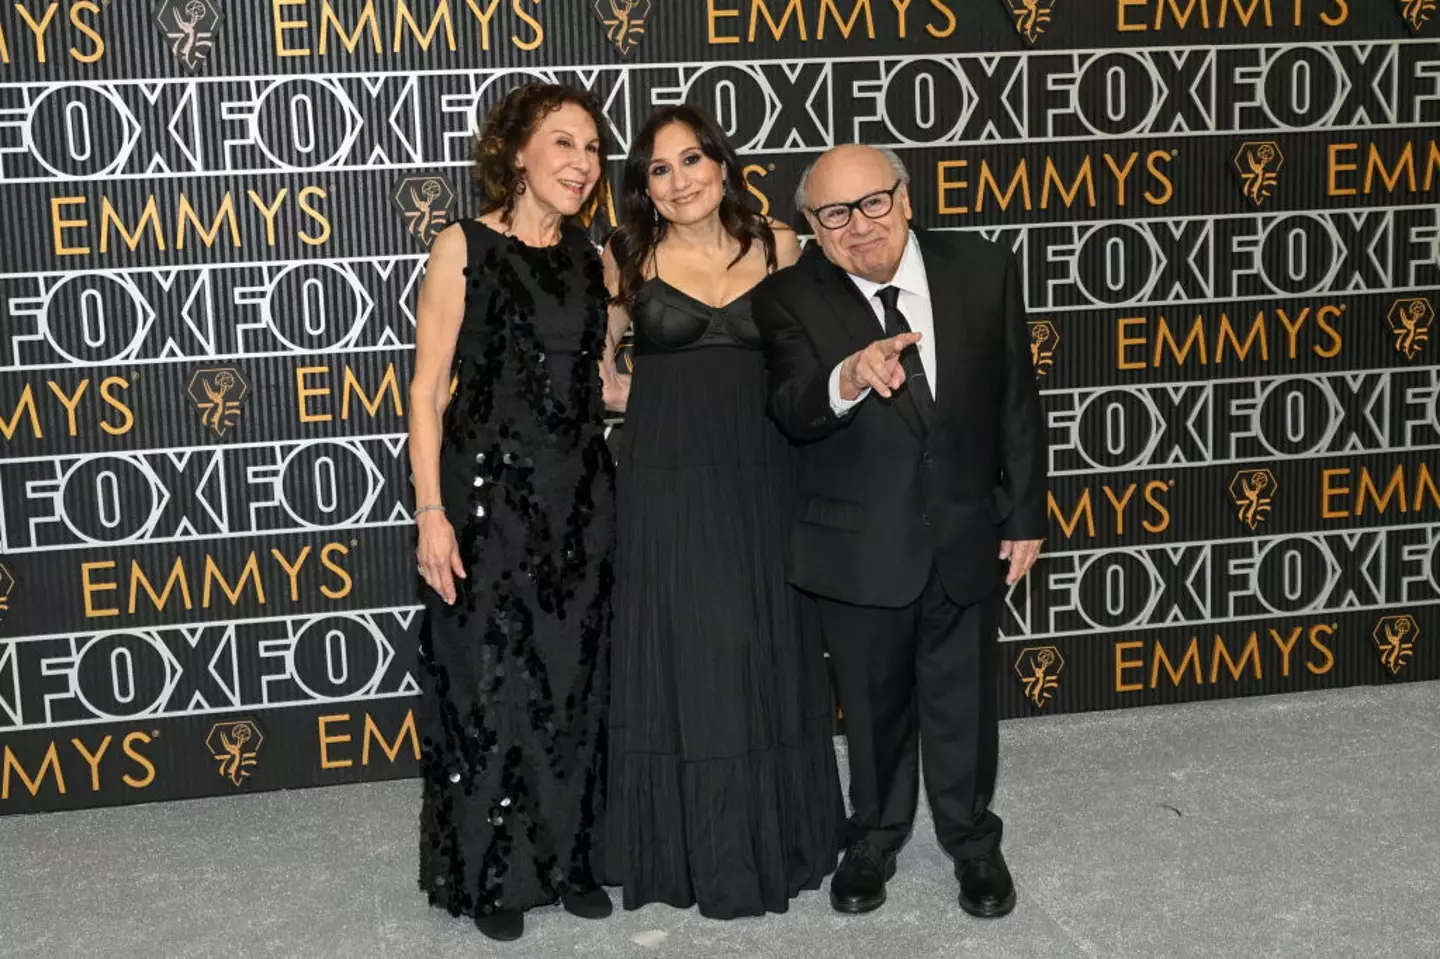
(722, 783)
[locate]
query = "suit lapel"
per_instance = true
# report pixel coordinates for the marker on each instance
(946, 312)
(844, 299)
(860, 322)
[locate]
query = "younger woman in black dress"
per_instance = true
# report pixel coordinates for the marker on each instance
(514, 489)
(723, 787)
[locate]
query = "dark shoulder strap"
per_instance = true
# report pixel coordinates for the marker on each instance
(472, 229)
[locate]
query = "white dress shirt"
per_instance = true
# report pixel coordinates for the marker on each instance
(914, 302)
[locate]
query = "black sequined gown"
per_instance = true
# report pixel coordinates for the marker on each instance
(723, 783)
(514, 676)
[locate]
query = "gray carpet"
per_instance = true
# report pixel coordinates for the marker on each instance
(1298, 825)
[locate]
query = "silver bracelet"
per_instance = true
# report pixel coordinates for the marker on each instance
(424, 509)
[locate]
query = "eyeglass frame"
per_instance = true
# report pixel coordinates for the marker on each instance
(854, 206)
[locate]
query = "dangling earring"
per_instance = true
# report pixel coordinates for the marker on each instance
(520, 185)
(655, 211)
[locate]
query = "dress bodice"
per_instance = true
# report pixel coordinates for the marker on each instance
(668, 320)
(524, 357)
(526, 391)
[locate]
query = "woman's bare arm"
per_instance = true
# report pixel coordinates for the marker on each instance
(618, 318)
(438, 315)
(615, 385)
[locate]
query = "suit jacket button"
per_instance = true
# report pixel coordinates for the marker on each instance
(926, 458)
(924, 519)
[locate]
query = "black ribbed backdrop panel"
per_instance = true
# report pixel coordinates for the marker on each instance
(214, 227)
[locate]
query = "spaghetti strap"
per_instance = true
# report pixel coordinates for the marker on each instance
(470, 227)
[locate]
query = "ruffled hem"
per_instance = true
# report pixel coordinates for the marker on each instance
(738, 836)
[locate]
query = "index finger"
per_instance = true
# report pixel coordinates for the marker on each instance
(899, 341)
(440, 580)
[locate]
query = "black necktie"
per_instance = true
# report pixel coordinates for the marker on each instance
(915, 377)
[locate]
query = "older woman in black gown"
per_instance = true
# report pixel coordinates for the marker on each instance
(514, 484)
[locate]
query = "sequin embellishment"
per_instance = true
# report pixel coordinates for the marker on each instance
(512, 763)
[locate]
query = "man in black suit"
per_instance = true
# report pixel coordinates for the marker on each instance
(899, 360)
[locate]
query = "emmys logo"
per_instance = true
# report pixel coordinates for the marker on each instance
(1043, 340)
(1253, 491)
(1395, 638)
(425, 202)
(624, 21)
(190, 26)
(7, 587)
(217, 394)
(1039, 669)
(1258, 162)
(236, 747)
(1410, 321)
(1031, 16)
(1417, 12)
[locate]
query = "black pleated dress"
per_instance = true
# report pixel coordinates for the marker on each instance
(723, 785)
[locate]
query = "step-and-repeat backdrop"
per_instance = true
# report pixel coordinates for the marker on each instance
(214, 217)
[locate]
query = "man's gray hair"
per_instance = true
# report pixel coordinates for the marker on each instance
(896, 164)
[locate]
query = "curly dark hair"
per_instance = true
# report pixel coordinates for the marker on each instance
(640, 231)
(511, 124)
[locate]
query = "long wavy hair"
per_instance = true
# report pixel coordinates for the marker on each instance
(641, 229)
(511, 124)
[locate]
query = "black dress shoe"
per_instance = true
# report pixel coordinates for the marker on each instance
(859, 884)
(592, 903)
(503, 926)
(986, 889)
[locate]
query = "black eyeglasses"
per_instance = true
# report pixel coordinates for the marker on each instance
(834, 216)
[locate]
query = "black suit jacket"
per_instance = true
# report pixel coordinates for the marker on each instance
(883, 501)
